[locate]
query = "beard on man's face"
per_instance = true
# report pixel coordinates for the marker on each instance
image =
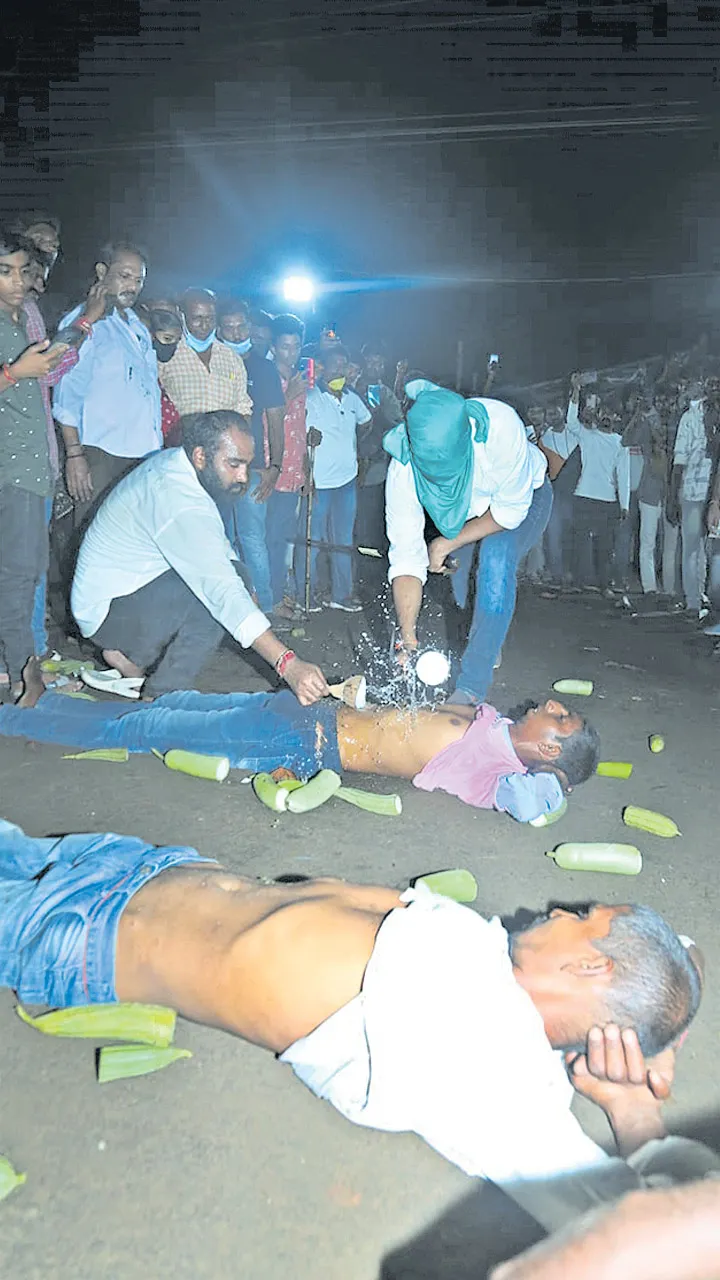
(213, 485)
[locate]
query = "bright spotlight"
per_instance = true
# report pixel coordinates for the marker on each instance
(298, 289)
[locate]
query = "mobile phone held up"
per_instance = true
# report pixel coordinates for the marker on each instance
(494, 359)
(307, 366)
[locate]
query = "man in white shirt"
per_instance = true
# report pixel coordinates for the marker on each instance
(109, 405)
(155, 583)
(469, 465)
(334, 413)
(604, 482)
(690, 485)
(404, 1010)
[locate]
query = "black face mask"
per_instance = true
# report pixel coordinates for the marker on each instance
(165, 350)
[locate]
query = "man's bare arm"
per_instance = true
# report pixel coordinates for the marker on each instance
(407, 597)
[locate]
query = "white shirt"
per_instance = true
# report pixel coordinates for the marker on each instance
(691, 452)
(159, 518)
(336, 458)
(605, 473)
(112, 395)
(508, 470)
(444, 1042)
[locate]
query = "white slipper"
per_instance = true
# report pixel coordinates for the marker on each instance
(112, 682)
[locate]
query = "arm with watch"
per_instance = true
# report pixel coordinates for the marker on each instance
(275, 425)
(77, 472)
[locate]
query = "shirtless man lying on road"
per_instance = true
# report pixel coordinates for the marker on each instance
(521, 767)
(406, 1011)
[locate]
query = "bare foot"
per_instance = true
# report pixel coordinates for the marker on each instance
(33, 687)
(116, 659)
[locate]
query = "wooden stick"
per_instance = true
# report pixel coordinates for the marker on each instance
(352, 691)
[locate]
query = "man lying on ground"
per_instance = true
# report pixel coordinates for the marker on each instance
(519, 767)
(406, 1011)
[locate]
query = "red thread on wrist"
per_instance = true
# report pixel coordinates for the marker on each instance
(85, 325)
(283, 662)
(6, 373)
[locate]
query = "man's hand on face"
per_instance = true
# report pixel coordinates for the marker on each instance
(614, 1074)
(96, 302)
(267, 484)
(306, 681)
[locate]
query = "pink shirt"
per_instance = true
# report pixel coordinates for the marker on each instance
(292, 476)
(472, 768)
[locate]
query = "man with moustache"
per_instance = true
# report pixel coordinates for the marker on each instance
(156, 585)
(109, 405)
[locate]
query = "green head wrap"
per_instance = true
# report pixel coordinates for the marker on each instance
(437, 442)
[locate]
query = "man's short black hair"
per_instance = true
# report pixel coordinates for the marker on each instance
(13, 242)
(206, 430)
(655, 986)
(579, 753)
(282, 325)
(233, 307)
(338, 349)
(196, 295)
(161, 318)
(112, 249)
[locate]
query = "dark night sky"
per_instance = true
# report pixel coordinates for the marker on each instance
(430, 154)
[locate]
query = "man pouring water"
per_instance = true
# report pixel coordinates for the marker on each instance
(468, 465)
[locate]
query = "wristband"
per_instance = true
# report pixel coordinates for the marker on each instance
(283, 662)
(79, 452)
(85, 325)
(7, 374)
(402, 645)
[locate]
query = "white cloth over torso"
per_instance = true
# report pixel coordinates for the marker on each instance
(159, 518)
(507, 471)
(443, 1042)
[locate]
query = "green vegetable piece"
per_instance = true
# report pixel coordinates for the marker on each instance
(118, 755)
(657, 743)
(581, 688)
(547, 819)
(125, 1061)
(274, 794)
(388, 806)
(621, 859)
(459, 884)
(614, 769)
(214, 768)
(315, 792)
(151, 1024)
(9, 1179)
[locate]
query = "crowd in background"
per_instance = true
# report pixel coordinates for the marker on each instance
(634, 465)
(632, 455)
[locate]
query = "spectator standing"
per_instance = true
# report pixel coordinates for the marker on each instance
(109, 405)
(604, 482)
(26, 479)
(204, 375)
(690, 485)
(646, 431)
(386, 412)
(283, 519)
(335, 413)
(166, 331)
(564, 472)
(245, 516)
(627, 531)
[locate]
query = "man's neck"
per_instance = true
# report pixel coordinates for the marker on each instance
(13, 313)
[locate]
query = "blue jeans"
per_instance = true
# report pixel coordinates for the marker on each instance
(58, 930)
(498, 559)
(39, 624)
(245, 525)
(281, 532)
(257, 731)
(333, 521)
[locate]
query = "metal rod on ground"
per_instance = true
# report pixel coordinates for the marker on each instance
(308, 523)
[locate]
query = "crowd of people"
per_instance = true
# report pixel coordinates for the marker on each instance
(192, 468)
(636, 486)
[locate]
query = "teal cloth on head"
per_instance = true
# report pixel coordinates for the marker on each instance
(437, 442)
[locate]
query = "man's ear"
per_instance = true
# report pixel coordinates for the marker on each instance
(591, 965)
(548, 750)
(199, 460)
(101, 270)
